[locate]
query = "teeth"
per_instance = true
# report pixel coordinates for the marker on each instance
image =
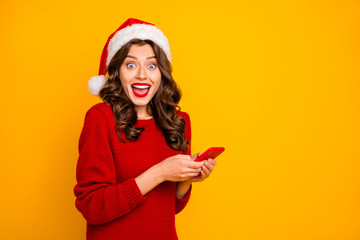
(140, 86)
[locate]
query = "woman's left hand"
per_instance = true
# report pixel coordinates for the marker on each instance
(206, 169)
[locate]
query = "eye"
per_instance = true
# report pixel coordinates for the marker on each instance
(152, 66)
(130, 65)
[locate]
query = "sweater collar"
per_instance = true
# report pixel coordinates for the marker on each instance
(148, 124)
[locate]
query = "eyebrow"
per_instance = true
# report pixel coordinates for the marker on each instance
(136, 57)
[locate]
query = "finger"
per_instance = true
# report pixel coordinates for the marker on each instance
(183, 156)
(206, 170)
(209, 166)
(195, 156)
(212, 161)
(194, 174)
(197, 176)
(203, 175)
(189, 176)
(193, 170)
(193, 164)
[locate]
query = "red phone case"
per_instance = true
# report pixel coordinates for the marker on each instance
(212, 152)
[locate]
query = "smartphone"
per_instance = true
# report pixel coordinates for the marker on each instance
(212, 152)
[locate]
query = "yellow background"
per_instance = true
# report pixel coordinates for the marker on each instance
(274, 82)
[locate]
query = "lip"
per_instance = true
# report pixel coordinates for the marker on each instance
(140, 95)
(141, 84)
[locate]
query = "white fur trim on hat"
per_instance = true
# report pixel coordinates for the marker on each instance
(96, 83)
(141, 31)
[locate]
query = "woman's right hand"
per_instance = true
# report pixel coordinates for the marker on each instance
(179, 168)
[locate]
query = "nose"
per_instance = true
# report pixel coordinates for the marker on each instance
(141, 74)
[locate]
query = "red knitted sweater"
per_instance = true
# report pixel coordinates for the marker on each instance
(106, 192)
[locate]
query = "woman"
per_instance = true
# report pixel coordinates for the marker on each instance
(135, 170)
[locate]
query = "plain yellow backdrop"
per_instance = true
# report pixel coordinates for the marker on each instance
(274, 82)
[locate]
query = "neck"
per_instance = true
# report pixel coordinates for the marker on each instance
(142, 113)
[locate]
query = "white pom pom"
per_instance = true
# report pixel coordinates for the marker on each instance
(96, 83)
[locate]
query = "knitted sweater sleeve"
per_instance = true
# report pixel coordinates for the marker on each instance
(180, 203)
(98, 197)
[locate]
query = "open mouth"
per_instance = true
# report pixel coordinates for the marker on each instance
(140, 89)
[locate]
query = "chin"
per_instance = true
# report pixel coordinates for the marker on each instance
(140, 102)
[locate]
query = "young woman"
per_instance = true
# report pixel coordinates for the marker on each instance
(135, 171)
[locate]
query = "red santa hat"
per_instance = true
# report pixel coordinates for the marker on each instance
(130, 29)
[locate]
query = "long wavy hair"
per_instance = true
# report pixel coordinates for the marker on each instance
(163, 106)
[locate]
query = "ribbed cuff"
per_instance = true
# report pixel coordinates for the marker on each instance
(132, 192)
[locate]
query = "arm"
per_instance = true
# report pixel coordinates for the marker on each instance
(184, 186)
(149, 179)
(183, 189)
(176, 168)
(98, 197)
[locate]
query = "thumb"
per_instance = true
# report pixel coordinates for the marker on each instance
(195, 156)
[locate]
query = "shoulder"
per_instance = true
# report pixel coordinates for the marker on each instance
(100, 112)
(187, 129)
(103, 107)
(100, 108)
(184, 115)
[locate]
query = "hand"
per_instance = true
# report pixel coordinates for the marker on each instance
(179, 168)
(206, 169)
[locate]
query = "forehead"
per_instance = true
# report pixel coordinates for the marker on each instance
(141, 51)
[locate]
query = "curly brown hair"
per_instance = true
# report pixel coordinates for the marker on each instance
(163, 106)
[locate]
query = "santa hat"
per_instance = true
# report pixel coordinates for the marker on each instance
(130, 29)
